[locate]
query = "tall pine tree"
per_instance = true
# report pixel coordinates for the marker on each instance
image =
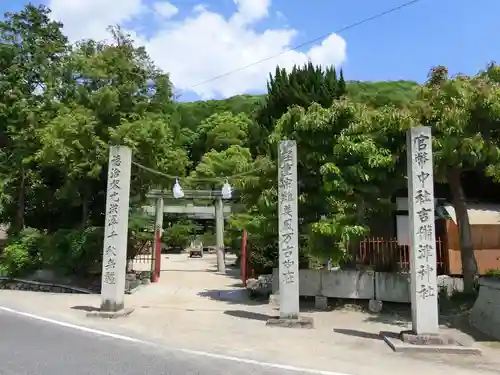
(302, 86)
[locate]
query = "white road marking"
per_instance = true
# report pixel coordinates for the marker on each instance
(187, 351)
(73, 326)
(259, 363)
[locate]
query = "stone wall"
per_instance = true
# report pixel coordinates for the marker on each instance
(43, 283)
(485, 315)
(355, 284)
(35, 286)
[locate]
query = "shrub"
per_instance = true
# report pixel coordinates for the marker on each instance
(74, 252)
(68, 252)
(493, 273)
(179, 234)
(22, 253)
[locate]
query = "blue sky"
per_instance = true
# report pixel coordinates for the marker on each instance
(403, 45)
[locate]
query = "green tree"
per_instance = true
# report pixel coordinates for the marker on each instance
(190, 115)
(112, 96)
(215, 166)
(31, 49)
(180, 233)
(385, 93)
(302, 87)
(70, 142)
(464, 114)
(219, 132)
(360, 174)
(259, 219)
(315, 131)
(247, 176)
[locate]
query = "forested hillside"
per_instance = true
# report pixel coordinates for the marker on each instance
(376, 94)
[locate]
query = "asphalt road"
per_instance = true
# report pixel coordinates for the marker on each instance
(33, 347)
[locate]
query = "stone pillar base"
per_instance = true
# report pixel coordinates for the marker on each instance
(408, 341)
(110, 314)
(300, 322)
(410, 337)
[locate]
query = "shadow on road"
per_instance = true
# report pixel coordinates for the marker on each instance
(461, 323)
(388, 318)
(236, 296)
(356, 333)
(85, 308)
(231, 271)
(248, 315)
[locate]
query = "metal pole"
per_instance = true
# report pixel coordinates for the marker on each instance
(156, 251)
(219, 231)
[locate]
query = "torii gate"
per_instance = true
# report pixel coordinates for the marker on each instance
(214, 195)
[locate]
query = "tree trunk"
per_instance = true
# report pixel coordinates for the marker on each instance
(469, 265)
(85, 208)
(18, 222)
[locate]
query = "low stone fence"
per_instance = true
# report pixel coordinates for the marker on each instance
(36, 286)
(355, 284)
(46, 283)
(485, 315)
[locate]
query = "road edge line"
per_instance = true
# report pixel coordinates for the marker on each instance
(72, 326)
(260, 363)
(186, 351)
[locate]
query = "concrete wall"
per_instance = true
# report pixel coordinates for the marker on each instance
(485, 315)
(353, 284)
(392, 287)
(350, 284)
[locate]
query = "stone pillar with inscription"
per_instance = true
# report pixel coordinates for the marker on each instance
(288, 240)
(424, 335)
(424, 292)
(115, 234)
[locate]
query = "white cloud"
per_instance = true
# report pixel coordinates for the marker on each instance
(90, 18)
(200, 8)
(204, 44)
(165, 9)
(251, 10)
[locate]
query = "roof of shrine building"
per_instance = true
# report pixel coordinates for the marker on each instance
(479, 213)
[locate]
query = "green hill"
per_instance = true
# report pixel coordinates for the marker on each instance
(376, 94)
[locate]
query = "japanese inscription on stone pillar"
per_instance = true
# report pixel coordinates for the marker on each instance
(424, 291)
(116, 228)
(288, 230)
